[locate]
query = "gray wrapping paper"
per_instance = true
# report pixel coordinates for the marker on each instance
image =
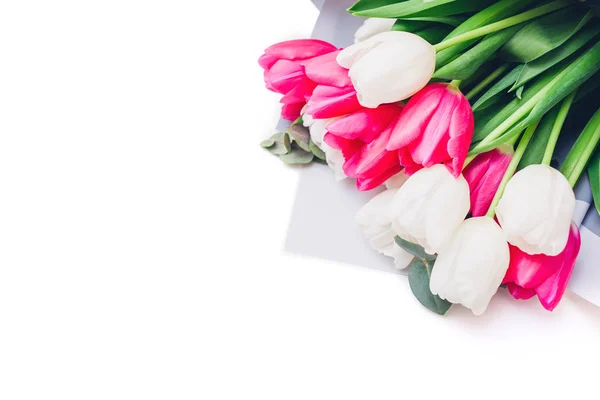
(322, 222)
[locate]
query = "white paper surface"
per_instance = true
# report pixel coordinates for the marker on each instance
(322, 223)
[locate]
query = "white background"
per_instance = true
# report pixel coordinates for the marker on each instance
(141, 233)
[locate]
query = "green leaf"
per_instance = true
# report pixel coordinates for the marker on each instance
(433, 34)
(546, 34)
(536, 67)
(519, 93)
(410, 26)
(316, 150)
(497, 89)
(267, 143)
(452, 20)
(419, 276)
(281, 144)
(594, 175)
(416, 8)
(300, 135)
(413, 249)
(297, 156)
(537, 146)
(494, 13)
(484, 126)
(467, 63)
(584, 145)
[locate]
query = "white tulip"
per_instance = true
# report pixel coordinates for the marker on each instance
(373, 26)
(536, 210)
(376, 223)
(430, 206)
(396, 181)
(388, 67)
(470, 268)
(334, 157)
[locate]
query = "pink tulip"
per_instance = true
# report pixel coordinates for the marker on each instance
(435, 127)
(284, 66)
(546, 276)
(362, 137)
(484, 175)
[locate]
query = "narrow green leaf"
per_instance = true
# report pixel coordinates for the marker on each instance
(410, 26)
(537, 146)
(467, 63)
(483, 127)
(494, 13)
(582, 149)
(419, 276)
(519, 93)
(546, 34)
(452, 20)
(434, 34)
(297, 156)
(594, 175)
(300, 135)
(316, 150)
(413, 249)
(416, 8)
(498, 88)
(536, 67)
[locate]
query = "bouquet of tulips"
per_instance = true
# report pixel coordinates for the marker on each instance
(452, 109)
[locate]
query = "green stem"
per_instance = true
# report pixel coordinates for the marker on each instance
(503, 24)
(512, 167)
(456, 82)
(557, 128)
(486, 82)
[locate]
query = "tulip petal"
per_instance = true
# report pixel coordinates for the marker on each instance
(416, 116)
(520, 293)
(291, 111)
(331, 102)
(529, 271)
(552, 290)
(284, 75)
(366, 123)
(348, 147)
(299, 49)
(325, 70)
(372, 182)
(461, 134)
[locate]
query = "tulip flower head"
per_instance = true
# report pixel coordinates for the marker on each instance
(470, 268)
(429, 207)
(545, 276)
(388, 67)
(435, 127)
(484, 175)
(284, 72)
(334, 157)
(536, 210)
(376, 223)
(373, 26)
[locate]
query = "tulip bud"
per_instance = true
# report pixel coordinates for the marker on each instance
(536, 210)
(429, 207)
(388, 67)
(470, 268)
(376, 223)
(373, 26)
(284, 72)
(435, 127)
(484, 175)
(543, 275)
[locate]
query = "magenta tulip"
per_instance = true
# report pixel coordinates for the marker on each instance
(542, 275)
(362, 137)
(284, 66)
(435, 127)
(484, 175)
